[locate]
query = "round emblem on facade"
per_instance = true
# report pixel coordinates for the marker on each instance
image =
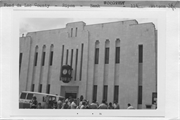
(64, 71)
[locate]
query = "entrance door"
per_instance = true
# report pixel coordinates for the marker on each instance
(71, 95)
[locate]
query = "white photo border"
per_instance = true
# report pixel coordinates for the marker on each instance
(133, 13)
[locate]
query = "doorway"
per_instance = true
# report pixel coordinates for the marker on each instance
(69, 91)
(71, 95)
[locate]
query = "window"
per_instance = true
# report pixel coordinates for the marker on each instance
(117, 54)
(51, 58)
(36, 57)
(20, 60)
(140, 53)
(82, 46)
(71, 32)
(48, 89)
(62, 56)
(23, 95)
(76, 32)
(105, 92)
(116, 93)
(140, 95)
(76, 64)
(43, 58)
(67, 56)
(106, 55)
(30, 96)
(96, 55)
(71, 56)
(95, 92)
(32, 88)
(40, 87)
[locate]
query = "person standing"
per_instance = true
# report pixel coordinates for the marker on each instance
(83, 106)
(103, 105)
(59, 104)
(93, 105)
(130, 106)
(110, 106)
(65, 105)
(116, 105)
(73, 104)
(34, 103)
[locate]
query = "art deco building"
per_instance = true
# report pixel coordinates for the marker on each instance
(115, 61)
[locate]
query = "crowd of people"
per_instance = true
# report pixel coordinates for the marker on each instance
(71, 103)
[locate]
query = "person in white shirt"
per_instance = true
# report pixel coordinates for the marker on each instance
(130, 106)
(73, 105)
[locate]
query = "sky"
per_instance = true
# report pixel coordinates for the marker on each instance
(39, 24)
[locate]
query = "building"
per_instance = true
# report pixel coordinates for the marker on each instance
(114, 61)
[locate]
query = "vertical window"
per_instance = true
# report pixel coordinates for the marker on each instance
(96, 55)
(20, 61)
(140, 95)
(40, 87)
(106, 55)
(62, 58)
(95, 92)
(106, 58)
(71, 32)
(32, 88)
(43, 58)
(71, 56)
(117, 54)
(51, 58)
(116, 93)
(140, 53)
(36, 57)
(82, 46)
(76, 32)
(67, 57)
(105, 92)
(48, 89)
(76, 64)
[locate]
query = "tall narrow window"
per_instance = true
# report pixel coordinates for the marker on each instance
(71, 56)
(105, 92)
(20, 61)
(140, 53)
(62, 57)
(71, 32)
(32, 88)
(40, 87)
(117, 54)
(35, 60)
(106, 55)
(43, 58)
(82, 46)
(94, 92)
(106, 58)
(51, 58)
(67, 57)
(140, 95)
(76, 64)
(76, 32)
(96, 55)
(48, 89)
(116, 93)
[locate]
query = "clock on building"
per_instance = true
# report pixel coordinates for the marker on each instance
(66, 73)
